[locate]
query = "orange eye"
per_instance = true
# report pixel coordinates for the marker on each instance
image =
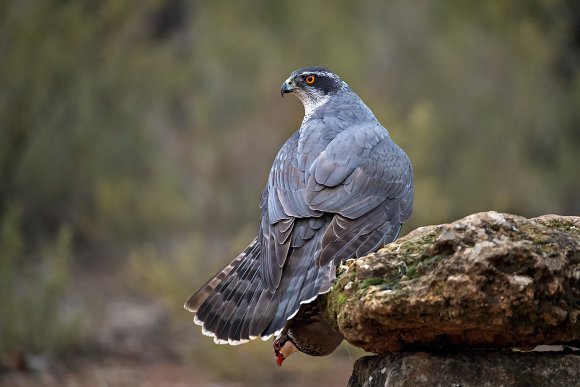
(310, 79)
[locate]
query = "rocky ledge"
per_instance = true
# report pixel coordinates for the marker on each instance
(456, 304)
(489, 280)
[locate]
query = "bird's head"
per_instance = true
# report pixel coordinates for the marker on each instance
(313, 86)
(283, 347)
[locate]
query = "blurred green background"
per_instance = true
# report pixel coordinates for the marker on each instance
(136, 138)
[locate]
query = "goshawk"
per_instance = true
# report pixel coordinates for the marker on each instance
(339, 188)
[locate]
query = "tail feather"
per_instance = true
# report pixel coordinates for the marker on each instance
(195, 301)
(293, 303)
(223, 290)
(236, 305)
(314, 286)
(301, 273)
(302, 276)
(235, 332)
(218, 302)
(263, 313)
(239, 304)
(282, 313)
(232, 297)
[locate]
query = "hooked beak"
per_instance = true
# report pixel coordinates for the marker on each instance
(287, 87)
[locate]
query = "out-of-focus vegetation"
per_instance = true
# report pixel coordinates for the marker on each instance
(41, 326)
(142, 133)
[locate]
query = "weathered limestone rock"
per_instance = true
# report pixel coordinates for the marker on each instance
(489, 280)
(467, 369)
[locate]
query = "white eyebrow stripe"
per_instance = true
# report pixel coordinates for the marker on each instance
(319, 73)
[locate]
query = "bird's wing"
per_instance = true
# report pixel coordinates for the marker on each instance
(355, 189)
(282, 205)
(326, 202)
(366, 181)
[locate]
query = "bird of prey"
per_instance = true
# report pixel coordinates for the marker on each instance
(339, 188)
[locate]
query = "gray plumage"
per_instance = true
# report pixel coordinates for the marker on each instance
(339, 188)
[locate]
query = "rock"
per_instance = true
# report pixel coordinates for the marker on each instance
(469, 368)
(489, 280)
